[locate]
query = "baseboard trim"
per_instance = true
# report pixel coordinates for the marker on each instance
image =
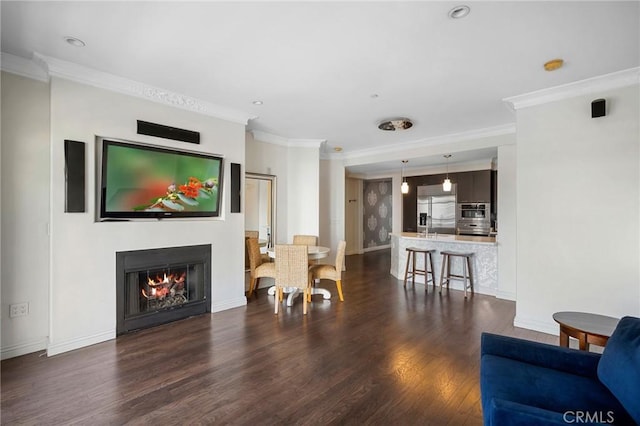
(352, 252)
(506, 295)
(228, 304)
(368, 249)
(535, 325)
(81, 342)
(20, 349)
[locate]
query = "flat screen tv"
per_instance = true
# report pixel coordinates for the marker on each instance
(140, 181)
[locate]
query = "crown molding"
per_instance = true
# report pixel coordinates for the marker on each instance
(102, 80)
(24, 67)
(601, 83)
(287, 142)
(436, 140)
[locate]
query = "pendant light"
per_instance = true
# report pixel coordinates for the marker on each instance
(404, 188)
(446, 185)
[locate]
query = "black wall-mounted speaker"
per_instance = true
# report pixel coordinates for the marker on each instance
(598, 108)
(74, 165)
(235, 188)
(166, 132)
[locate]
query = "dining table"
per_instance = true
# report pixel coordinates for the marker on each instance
(314, 253)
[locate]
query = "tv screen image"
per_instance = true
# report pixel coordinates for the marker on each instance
(141, 181)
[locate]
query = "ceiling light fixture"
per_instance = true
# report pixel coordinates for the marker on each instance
(553, 64)
(404, 188)
(257, 102)
(73, 41)
(395, 124)
(337, 149)
(446, 185)
(459, 12)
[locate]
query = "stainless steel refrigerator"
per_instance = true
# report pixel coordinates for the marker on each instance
(436, 209)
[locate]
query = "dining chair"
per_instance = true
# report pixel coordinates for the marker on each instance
(305, 240)
(247, 235)
(251, 234)
(258, 268)
(292, 270)
(332, 272)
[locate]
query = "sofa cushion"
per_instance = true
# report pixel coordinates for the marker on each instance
(540, 387)
(619, 367)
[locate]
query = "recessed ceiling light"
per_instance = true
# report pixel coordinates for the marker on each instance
(395, 124)
(374, 95)
(553, 64)
(74, 41)
(459, 12)
(257, 102)
(337, 149)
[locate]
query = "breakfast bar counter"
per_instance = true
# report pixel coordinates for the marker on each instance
(484, 261)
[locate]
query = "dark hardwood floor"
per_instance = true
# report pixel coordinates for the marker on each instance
(384, 356)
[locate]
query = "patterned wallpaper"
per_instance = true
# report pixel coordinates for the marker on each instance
(377, 213)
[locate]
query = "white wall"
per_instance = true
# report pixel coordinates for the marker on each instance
(271, 159)
(578, 209)
(303, 192)
(332, 205)
(297, 170)
(507, 223)
(25, 213)
(83, 251)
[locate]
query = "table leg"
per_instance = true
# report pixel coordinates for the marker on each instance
(564, 338)
(582, 342)
(326, 294)
(292, 295)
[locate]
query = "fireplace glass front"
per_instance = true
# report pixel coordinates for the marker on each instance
(161, 285)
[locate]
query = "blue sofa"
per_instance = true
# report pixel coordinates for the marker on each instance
(531, 383)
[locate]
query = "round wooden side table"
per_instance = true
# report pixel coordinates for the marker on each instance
(587, 328)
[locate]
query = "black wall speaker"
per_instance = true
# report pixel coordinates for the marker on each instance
(598, 108)
(235, 188)
(166, 132)
(74, 176)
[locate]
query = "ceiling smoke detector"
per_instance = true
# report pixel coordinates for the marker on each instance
(395, 124)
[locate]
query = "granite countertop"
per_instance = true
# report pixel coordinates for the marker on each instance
(451, 238)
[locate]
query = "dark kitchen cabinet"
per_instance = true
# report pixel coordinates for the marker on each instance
(474, 186)
(464, 187)
(410, 206)
(482, 185)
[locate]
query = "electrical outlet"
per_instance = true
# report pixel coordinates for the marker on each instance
(18, 310)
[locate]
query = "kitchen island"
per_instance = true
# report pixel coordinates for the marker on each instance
(484, 261)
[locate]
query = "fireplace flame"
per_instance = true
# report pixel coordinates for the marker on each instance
(163, 286)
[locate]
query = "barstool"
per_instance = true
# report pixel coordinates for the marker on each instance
(466, 267)
(411, 258)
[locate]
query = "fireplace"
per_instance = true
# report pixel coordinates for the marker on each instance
(158, 286)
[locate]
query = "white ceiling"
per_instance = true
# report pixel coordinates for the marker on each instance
(316, 65)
